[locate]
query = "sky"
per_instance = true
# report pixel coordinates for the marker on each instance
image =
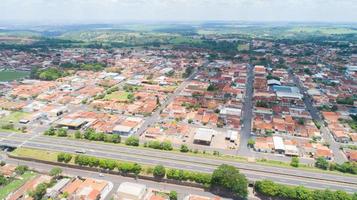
(112, 11)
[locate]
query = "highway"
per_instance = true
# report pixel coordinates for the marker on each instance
(183, 161)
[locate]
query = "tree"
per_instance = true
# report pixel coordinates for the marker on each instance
(62, 132)
(251, 142)
(51, 131)
(116, 138)
(55, 172)
(294, 162)
(3, 180)
(173, 195)
(211, 88)
(227, 180)
(132, 141)
(166, 145)
(64, 157)
(39, 192)
(21, 169)
(159, 171)
(321, 163)
(184, 148)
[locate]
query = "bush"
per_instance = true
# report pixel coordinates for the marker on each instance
(294, 162)
(132, 141)
(77, 135)
(184, 148)
(55, 172)
(8, 126)
(21, 169)
(159, 171)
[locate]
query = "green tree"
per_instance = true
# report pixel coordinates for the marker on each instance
(321, 163)
(173, 195)
(159, 171)
(132, 141)
(61, 132)
(21, 169)
(51, 131)
(251, 142)
(184, 148)
(3, 180)
(294, 162)
(55, 172)
(39, 192)
(226, 179)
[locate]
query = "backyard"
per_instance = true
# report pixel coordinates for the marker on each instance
(15, 184)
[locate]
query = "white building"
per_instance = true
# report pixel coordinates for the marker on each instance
(131, 191)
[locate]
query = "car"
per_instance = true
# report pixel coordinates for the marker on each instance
(101, 175)
(80, 151)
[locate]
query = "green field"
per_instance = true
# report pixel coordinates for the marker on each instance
(15, 184)
(14, 117)
(12, 75)
(36, 154)
(119, 95)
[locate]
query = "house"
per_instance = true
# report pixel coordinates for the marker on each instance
(89, 189)
(122, 130)
(131, 191)
(352, 155)
(198, 197)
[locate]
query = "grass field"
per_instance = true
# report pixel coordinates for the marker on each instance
(12, 75)
(14, 185)
(36, 154)
(119, 95)
(14, 117)
(243, 47)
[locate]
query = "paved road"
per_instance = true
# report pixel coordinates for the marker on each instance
(245, 133)
(182, 161)
(339, 157)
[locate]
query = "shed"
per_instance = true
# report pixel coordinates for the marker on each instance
(278, 144)
(204, 136)
(131, 191)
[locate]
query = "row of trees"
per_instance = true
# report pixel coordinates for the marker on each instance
(278, 191)
(165, 145)
(89, 134)
(347, 167)
(225, 180)
(62, 132)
